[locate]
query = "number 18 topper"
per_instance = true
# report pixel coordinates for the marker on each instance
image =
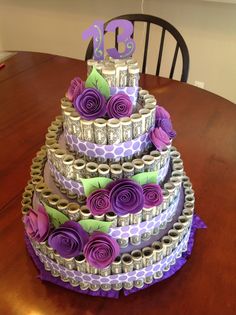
(96, 30)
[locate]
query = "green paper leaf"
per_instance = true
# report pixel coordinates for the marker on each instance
(57, 218)
(92, 184)
(91, 225)
(96, 80)
(145, 178)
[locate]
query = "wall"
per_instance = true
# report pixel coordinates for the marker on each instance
(56, 26)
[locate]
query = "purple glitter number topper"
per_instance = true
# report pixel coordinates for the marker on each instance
(96, 30)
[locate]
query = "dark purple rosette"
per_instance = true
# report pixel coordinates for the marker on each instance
(98, 202)
(68, 239)
(75, 89)
(152, 195)
(90, 104)
(161, 113)
(159, 138)
(119, 105)
(101, 250)
(126, 196)
(37, 224)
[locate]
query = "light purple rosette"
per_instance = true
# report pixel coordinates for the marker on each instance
(68, 239)
(37, 224)
(166, 125)
(91, 104)
(101, 250)
(163, 120)
(159, 138)
(152, 195)
(119, 106)
(126, 196)
(98, 202)
(75, 89)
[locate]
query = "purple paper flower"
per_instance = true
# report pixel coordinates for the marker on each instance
(90, 104)
(126, 196)
(119, 105)
(68, 239)
(163, 120)
(166, 125)
(37, 224)
(98, 202)
(159, 138)
(75, 89)
(152, 195)
(161, 113)
(101, 250)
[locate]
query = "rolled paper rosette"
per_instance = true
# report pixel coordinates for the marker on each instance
(159, 138)
(163, 120)
(119, 105)
(75, 89)
(68, 239)
(166, 125)
(126, 196)
(98, 202)
(101, 250)
(37, 224)
(152, 195)
(90, 104)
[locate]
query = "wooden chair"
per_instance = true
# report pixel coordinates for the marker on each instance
(166, 27)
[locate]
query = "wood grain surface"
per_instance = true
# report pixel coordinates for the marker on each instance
(31, 86)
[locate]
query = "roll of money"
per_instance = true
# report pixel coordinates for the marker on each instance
(73, 211)
(123, 221)
(67, 166)
(59, 156)
(147, 261)
(146, 119)
(136, 219)
(133, 75)
(151, 106)
(114, 135)
(91, 170)
(157, 157)
(104, 170)
(53, 200)
(126, 129)
(79, 168)
(127, 266)
(157, 256)
(170, 187)
(45, 194)
(62, 205)
(167, 245)
(76, 124)
(100, 131)
(111, 217)
(70, 263)
(85, 213)
(109, 74)
(138, 166)
(87, 130)
(116, 268)
(138, 264)
(121, 75)
(141, 95)
(67, 122)
(128, 169)
(80, 263)
(90, 64)
(116, 171)
(137, 125)
(149, 163)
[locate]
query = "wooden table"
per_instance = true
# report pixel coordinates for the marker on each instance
(31, 86)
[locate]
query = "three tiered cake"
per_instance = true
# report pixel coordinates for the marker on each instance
(109, 206)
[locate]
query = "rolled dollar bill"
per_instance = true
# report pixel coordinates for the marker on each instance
(116, 268)
(85, 213)
(67, 166)
(73, 211)
(111, 217)
(128, 169)
(149, 163)
(126, 127)
(116, 171)
(87, 130)
(76, 124)
(138, 264)
(137, 125)
(157, 157)
(104, 170)
(147, 261)
(91, 170)
(80, 263)
(62, 205)
(127, 266)
(114, 135)
(79, 169)
(146, 119)
(100, 131)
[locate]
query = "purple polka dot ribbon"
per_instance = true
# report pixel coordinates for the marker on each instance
(131, 91)
(109, 151)
(145, 226)
(115, 278)
(77, 187)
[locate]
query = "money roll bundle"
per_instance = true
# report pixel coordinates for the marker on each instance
(109, 206)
